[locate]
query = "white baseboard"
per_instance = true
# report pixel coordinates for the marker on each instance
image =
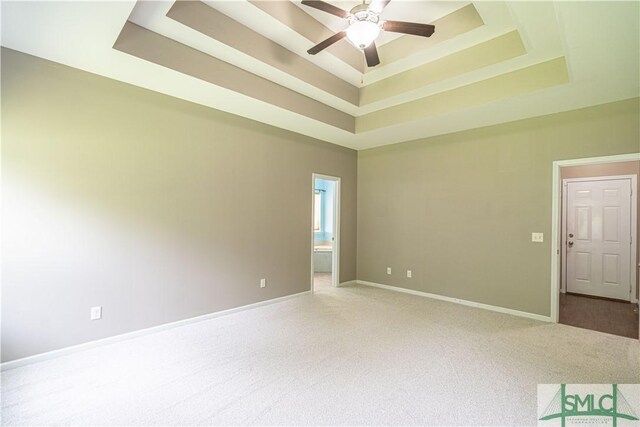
(347, 283)
(459, 301)
(122, 337)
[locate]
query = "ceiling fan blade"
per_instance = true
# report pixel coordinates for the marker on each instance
(378, 6)
(326, 43)
(424, 30)
(326, 7)
(371, 55)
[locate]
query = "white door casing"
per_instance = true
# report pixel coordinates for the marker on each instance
(598, 237)
(335, 258)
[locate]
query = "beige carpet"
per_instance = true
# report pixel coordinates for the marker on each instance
(354, 355)
(322, 281)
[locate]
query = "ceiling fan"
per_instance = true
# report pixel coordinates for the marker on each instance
(364, 27)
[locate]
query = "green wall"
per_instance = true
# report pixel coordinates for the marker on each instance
(156, 209)
(159, 210)
(458, 210)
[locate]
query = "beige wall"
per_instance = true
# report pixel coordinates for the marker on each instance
(611, 169)
(154, 208)
(459, 210)
(159, 209)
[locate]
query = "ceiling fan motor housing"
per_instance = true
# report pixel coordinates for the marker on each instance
(364, 26)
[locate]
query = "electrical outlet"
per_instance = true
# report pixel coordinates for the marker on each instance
(96, 313)
(263, 283)
(388, 270)
(537, 237)
(409, 274)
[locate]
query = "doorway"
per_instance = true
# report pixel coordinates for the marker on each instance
(595, 239)
(325, 233)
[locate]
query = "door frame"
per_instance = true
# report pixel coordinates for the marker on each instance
(335, 254)
(634, 232)
(556, 191)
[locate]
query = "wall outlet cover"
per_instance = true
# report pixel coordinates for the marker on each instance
(388, 270)
(96, 313)
(537, 237)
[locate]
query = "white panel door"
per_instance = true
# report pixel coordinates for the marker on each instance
(598, 244)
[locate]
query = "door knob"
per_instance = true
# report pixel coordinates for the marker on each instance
(570, 234)
(570, 243)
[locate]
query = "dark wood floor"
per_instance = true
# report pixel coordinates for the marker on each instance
(612, 317)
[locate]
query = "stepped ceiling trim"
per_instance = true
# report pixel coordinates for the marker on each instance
(487, 63)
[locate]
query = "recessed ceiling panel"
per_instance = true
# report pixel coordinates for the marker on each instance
(202, 18)
(536, 77)
(491, 52)
(447, 27)
(486, 63)
(165, 52)
(302, 23)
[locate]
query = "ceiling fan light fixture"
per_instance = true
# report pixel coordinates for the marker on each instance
(363, 29)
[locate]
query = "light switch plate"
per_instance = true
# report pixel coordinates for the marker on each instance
(537, 237)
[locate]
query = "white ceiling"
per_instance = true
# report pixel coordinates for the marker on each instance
(600, 41)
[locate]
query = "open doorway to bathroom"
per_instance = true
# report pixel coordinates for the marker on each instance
(325, 232)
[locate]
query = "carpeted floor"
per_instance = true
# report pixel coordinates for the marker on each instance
(354, 355)
(322, 281)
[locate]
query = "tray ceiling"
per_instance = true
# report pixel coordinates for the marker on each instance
(487, 62)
